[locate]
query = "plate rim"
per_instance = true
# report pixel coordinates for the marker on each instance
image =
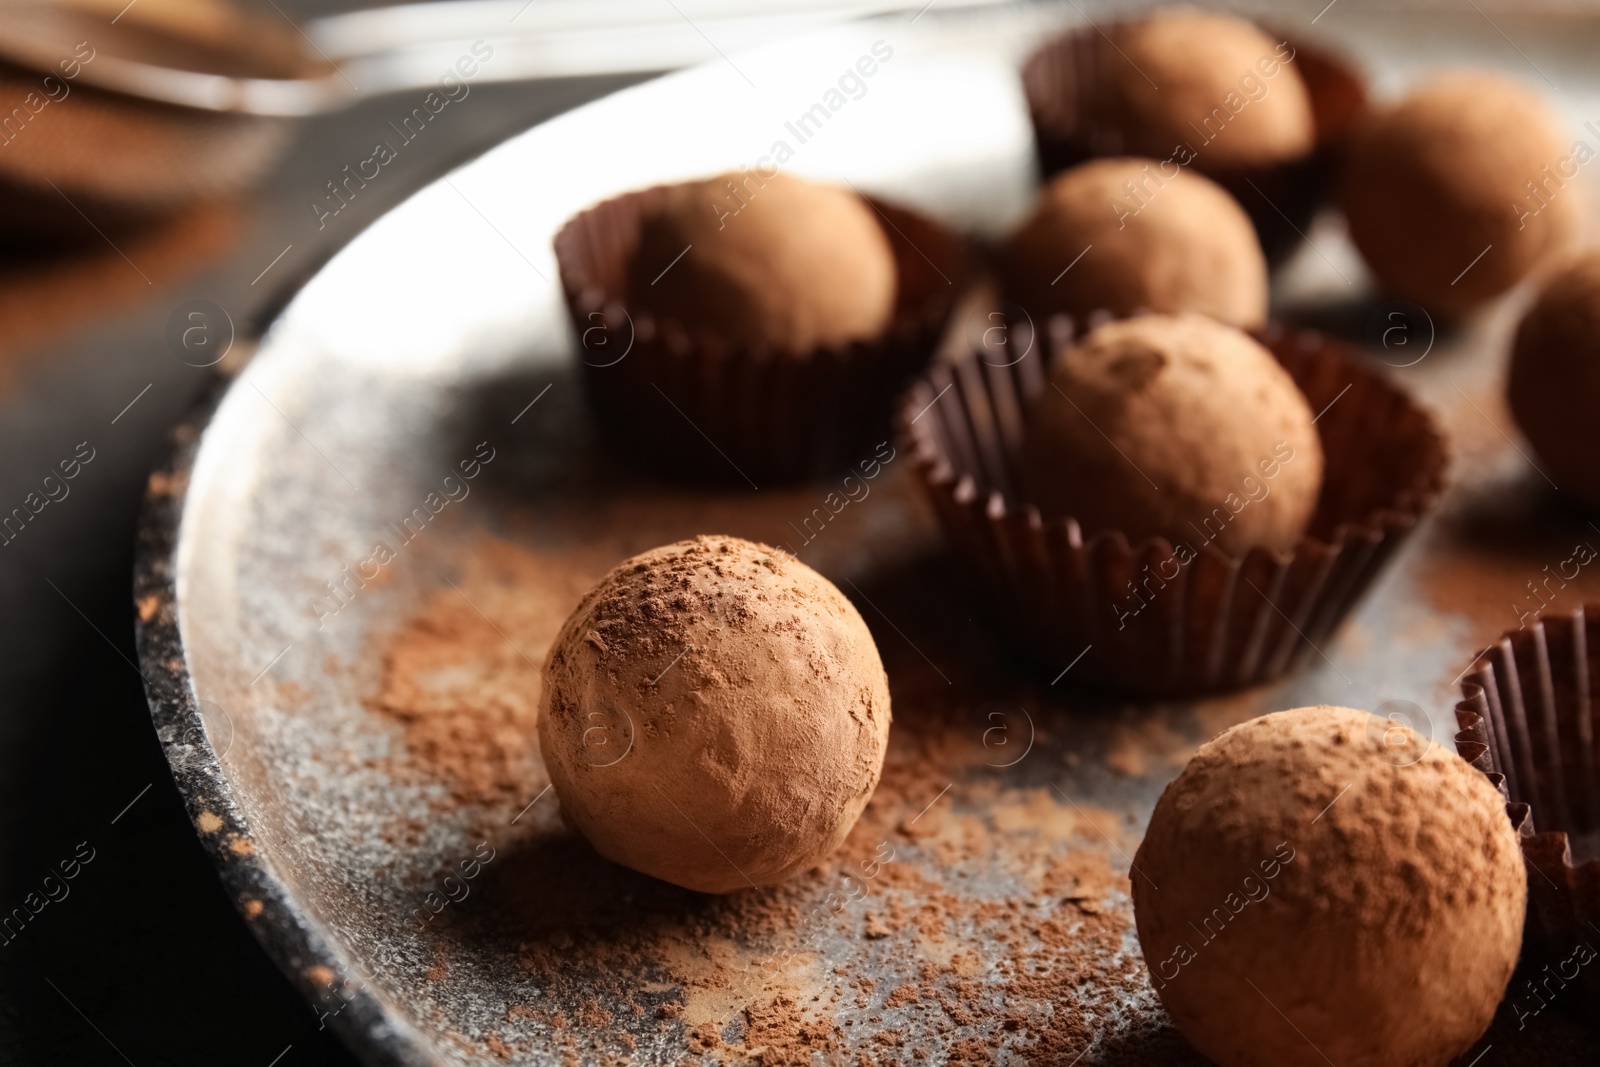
(296, 941)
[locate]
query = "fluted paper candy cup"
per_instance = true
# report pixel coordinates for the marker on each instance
(1530, 720)
(1151, 618)
(1058, 81)
(675, 398)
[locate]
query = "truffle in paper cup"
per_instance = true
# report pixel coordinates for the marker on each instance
(1156, 619)
(1529, 719)
(676, 398)
(1059, 80)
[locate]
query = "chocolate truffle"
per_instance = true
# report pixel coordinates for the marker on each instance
(1455, 193)
(1212, 83)
(715, 714)
(1554, 384)
(780, 262)
(1178, 427)
(1325, 886)
(1151, 236)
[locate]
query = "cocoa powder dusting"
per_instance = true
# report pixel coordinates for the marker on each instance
(462, 675)
(979, 912)
(972, 910)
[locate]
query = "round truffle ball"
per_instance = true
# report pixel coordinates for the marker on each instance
(1436, 190)
(1178, 427)
(1211, 82)
(715, 714)
(780, 262)
(1325, 886)
(1554, 384)
(1124, 235)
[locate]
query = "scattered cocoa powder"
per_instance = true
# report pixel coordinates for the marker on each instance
(971, 910)
(974, 914)
(463, 674)
(1504, 549)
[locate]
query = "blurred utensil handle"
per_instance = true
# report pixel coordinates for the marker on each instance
(271, 64)
(415, 45)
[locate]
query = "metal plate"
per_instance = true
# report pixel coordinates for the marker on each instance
(336, 825)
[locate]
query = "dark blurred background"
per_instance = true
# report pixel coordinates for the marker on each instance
(144, 960)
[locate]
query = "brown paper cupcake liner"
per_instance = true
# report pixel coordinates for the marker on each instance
(1217, 622)
(1058, 81)
(1530, 720)
(676, 398)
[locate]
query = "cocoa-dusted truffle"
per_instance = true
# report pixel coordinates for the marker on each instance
(1454, 194)
(715, 714)
(1211, 83)
(1325, 886)
(1151, 236)
(1554, 384)
(1178, 427)
(778, 261)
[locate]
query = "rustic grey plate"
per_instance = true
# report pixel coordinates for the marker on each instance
(269, 620)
